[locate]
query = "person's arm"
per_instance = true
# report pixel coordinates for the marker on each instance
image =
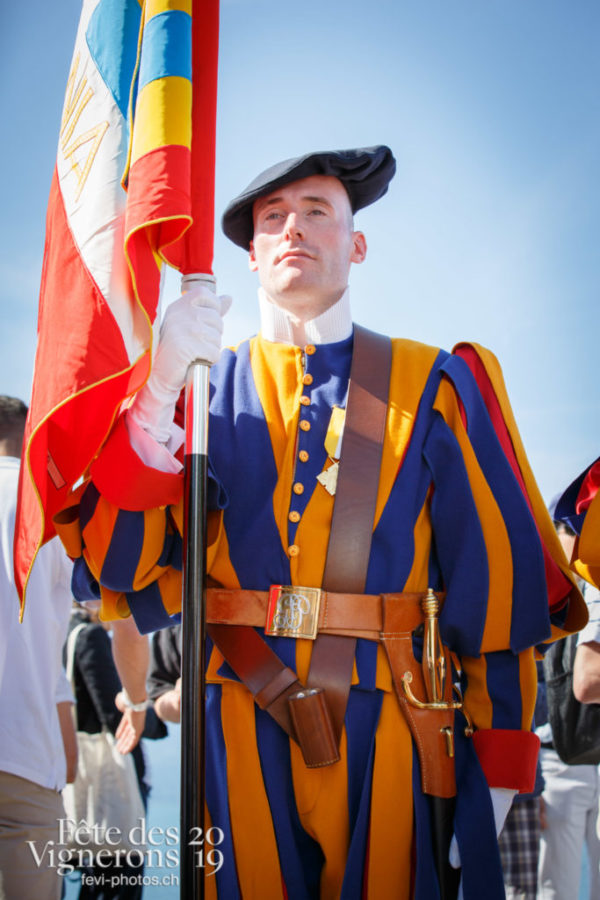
(168, 705)
(97, 670)
(69, 737)
(163, 682)
(130, 652)
(586, 673)
(586, 669)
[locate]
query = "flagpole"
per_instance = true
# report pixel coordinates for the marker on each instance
(194, 254)
(193, 661)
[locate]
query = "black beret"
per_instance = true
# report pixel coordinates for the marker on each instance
(365, 173)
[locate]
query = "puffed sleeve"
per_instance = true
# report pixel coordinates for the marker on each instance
(123, 530)
(508, 586)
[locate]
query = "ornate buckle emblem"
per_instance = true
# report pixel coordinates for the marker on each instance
(293, 611)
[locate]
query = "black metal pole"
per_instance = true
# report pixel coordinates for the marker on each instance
(193, 668)
(442, 829)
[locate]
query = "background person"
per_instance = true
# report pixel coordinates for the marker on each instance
(35, 696)
(571, 792)
(97, 691)
(586, 671)
(519, 842)
(164, 673)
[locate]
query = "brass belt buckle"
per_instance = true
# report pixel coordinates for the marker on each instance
(293, 611)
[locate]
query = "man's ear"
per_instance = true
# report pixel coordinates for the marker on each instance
(359, 243)
(252, 264)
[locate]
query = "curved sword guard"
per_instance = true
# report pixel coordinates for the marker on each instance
(434, 704)
(419, 704)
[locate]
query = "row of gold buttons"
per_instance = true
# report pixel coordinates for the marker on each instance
(303, 455)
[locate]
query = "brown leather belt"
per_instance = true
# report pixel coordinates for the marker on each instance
(311, 714)
(348, 615)
(306, 713)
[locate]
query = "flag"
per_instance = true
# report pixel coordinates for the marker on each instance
(133, 187)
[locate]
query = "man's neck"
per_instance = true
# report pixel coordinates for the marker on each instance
(281, 326)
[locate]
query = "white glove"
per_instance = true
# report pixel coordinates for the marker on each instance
(502, 799)
(191, 329)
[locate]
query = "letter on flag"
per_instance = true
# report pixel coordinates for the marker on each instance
(133, 187)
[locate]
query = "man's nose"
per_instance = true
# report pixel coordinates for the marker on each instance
(293, 227)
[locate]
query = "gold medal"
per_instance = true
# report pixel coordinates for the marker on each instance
(328, 478)
(333, 442)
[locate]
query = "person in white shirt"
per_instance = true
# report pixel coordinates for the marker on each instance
(35, 696)
(572, 792)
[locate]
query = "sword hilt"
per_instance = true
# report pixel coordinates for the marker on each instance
(434, 659)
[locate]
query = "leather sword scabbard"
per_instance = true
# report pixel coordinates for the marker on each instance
(432, 729)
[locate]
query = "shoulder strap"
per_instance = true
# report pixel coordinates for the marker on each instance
(351, 532)
(360, 462)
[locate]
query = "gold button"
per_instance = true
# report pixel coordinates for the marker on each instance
(310, 349)
(294, 550)
(307, 379)
(304, 425)
(298, 488)
(304, 400)
(294, 516)
(303, 456)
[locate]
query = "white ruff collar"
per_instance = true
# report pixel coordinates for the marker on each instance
(335, 324)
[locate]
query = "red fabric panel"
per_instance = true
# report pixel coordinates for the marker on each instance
(508, 758)
(158, 189)
(195, 253)
(589, 488)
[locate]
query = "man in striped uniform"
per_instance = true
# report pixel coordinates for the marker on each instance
(455, 510)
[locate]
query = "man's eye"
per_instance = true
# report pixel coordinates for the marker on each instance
(316, 212)
(273, 215)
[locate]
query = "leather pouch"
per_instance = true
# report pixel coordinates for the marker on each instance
(312, 724)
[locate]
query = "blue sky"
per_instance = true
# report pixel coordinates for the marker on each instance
(490, 229)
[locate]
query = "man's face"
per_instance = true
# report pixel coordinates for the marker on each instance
(304, 244)
(567, 540)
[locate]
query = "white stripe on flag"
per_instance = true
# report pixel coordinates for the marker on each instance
(91, 158)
